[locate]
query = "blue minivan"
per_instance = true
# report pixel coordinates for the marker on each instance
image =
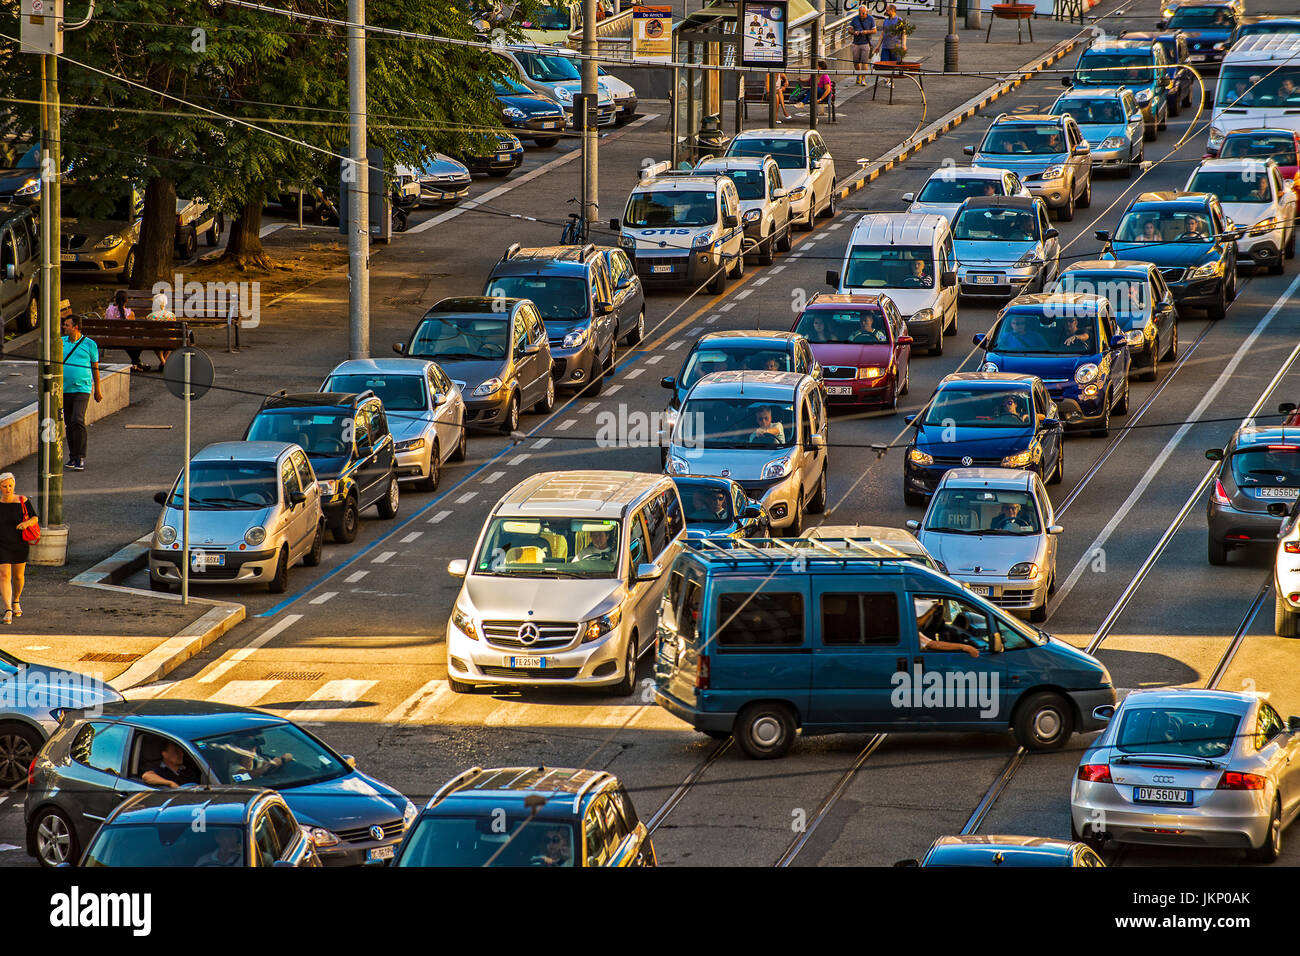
(762, 639)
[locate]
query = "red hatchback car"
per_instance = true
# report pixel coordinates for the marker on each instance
(863, 347)
(1280, 145)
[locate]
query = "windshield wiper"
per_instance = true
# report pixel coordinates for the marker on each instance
(950, 530)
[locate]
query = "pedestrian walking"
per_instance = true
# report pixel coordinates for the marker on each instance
(15, 517)
(119, 312)
(80, 382)
(863, 27)
(893, 42)
(161, 313)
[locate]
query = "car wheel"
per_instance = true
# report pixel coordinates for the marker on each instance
(430, 481)
(718, 284)
(638, 330)
(1289, 251)
(1059, 474)
(54, 838)
(1102, 430)
(1043, 722)
(1172, 354)
(1152, 371)
(1121, 407)
(545, 142)
(158, 584)
(913, 499)
(188, 247)
(1038, 614)
(784, 242)
(829, 211)
(1286, 622)
(214, 234)
(1151, 132)
(547, 401)
(128, 267)
(32, 317)
(392, 500)
(937, 347)
(818, 503)
(462, 446)
(765, 249)
(1278, 267)
(1066, 212)
(459, 686)
(312, 558)
(1086, 199)
(1231, 294)
(796, 526)
(511, 420)
(19, 745)
(1126, 169)
(907, 380)
(1174, 108)
(765, 731)
(738, 268)
(1217, 552)
(627, 686)
(345, 532)
(1219, 309)
(279, 583)
(1272, 846)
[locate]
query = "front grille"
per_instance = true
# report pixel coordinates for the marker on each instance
(837, 371)
(975, 462)
(1014, 597)
(71, 241)
(392, 828)
(216, 574)
(537, 673)
(1173, 275)
(645, 264)
(551, 635)
(971, 288)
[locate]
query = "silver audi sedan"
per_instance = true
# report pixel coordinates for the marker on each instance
(1190, 767)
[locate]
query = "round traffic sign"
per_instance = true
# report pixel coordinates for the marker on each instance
(201, 372)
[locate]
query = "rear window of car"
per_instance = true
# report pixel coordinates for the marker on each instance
(1270, 466)
(762, 619)
(1182, 732)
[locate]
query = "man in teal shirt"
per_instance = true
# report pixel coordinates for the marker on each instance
(80, 381)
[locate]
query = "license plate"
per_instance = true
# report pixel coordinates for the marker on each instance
(986, 280)
(839, 390)
(207, 560)
(981, 589)
(1278, 492)
(380, 853)
(68, 257)
(1160, 795)
(1196, 58)
(661, 268)
(503, 157)
(528, 662)
(550, 125)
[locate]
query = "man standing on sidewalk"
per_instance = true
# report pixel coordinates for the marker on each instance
(80, 380)
(863, 27)
(892, 41)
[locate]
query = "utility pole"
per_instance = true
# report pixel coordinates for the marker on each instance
(50, 365)
(815, 57)
(590, 191)
(950, 41)
(357, 182)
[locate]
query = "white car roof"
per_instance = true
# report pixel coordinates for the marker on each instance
(772, 134)
(741, 384)
(905, 228)
(1005, 479)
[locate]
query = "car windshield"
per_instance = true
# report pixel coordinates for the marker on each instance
(229, 485)
(551, 18)
(505, 839)
(279, 756)
(722, 358)
(84, 202)
(1273, 466)
(1024, 138)
(1275, 146)
(1260, 85)
(167, 844)
(1097, 112)
(505, 86)
(1268, 27)
(951, 189)
(461, 338)
(890, 267)
(980, 408)
(1031, 332)
(1192, 18)
(1128, 297)
(321, 434)
(399, 393)
(706, 504)
(1114, 69)
(556, 297)
(998, 225)
(750, 183)
(859, 326)
(550, 548)
(1164, 225)
(547, 68)
(711, 423)
(1181, 732)
(672, 209)
(1250, 186)
(788, 153)
(983, 511)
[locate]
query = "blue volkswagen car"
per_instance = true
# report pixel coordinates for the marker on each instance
(1006, 851)
(1210, 26)
(1073, 343)
(1190, 238)
(1110, 119)
(1139, 65)
(719, 508)
(983, 419)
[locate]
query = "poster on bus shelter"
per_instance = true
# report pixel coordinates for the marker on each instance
(763, 33)
(652, 34)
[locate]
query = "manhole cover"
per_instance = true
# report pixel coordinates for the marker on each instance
(110, 658)
(294, 675)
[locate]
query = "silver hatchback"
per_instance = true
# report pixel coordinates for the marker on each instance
(255, 510)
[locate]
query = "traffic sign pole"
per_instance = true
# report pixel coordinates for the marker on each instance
(185, 547)
(188, 375)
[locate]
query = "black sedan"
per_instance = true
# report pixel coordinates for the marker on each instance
(505, 157)
(530, 115)
(719, 508)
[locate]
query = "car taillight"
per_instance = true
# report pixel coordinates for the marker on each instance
(702, 673)
(31, 773)
(1220, 493)
(1095, 773)
(1291, 547)
(1232, 780)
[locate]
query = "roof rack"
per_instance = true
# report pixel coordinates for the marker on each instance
(453, 783)
(512, 250)
(597, 778)
(805, 549)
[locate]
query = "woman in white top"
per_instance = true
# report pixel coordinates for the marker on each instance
(161, 313)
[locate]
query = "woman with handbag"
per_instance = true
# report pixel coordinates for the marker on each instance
(19, 528)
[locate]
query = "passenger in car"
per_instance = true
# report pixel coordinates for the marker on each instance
(172, 770)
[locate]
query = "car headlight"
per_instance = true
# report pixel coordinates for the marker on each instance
(488, 387)
(670, 417)
(1021, 460)
(513, 112)
(167, 534)
(702, 241)
(1144, 96)
(922, 315)
(411, 444)
(1086, 373)
(677, 466)
(752, 215)
(575, 339)
(1053, 172)
(255, 536)
(918, 457)
(1221, 45)
(565, 96)
(1134, 337)
(1112, 142)
(329, 487)
(989, 367)
(598, 627)
(1029, 259)
(797, 193)
(871, 371)
(1263, 226)
(464, 623)
(776, 469)
(320, 837)
(1202, 272)
(1025, 569)
(626, 242)
(29, 188)
(109, 241)
(1216, 139)
(409, 814)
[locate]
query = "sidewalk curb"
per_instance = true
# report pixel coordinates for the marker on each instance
(954, 118)
(180, 647)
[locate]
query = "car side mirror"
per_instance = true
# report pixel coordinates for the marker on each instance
(1103, 235)
(1117, 340)
(1067, 81)
(730, 222)
(1278, 510)
(439, 398)
(1293, 725)
(1083, 149)
(968, 150)
(614, 224)
(1214, 454)
(1055, 529)
(668, 381)
(160, 497)
(648, 572)
(1051, 422)
(399, 348)
(458, 567)
(350, 760)
(832, 278)
(947, 279)
(1052, 233)
(912, 524)
(978, 338)
(904, 340)
(1105, 712)
(780, 193)
(752, 513)
(601, 308)
(909, 419)
(297, 498)
(1160, 24)
(816, 440)
(909, 197)
(1068, 410)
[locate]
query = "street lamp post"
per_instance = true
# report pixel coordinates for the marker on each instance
(950, 41)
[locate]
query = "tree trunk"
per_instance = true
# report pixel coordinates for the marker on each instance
(153, 255)
(244, 247)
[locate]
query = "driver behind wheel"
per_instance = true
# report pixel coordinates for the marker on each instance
(766, 427)
(554, 849)
(172, 771)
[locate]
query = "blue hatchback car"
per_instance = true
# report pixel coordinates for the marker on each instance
(764, 639)
(719, 508)
(1073, 343)
(983, 419)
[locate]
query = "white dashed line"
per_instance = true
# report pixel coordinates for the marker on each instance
(518, 460)
(322, 598)
(412, 536)
(541, 443)
(654, 360)
(776, 270)
(565, 425)
(744, 294)
(588, 408)
(807, 246)
(467, 496)
(383, 557)
(613, 389)
(243, 693)
(796, 255)
(443, 515)
(726, 308)
(820, 235)
(760, 281)
(833, 226)
(635, 373)
(355, 576)
(711, 319)
(674, 346)
(494, 477)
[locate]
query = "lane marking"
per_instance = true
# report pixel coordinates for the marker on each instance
(674, 346)
(342, 692)
(833, 226)
(383, 557)
(654, 360)
(441, 515)
(242, 693)
(323, 597)
(541, 443)
(429, 701)
(761, 280)
(411, 537)
(493, 478)
(634, 373)
(355, 576)
(588, 408)
(518, 460)
(711, 319)
(776, 270)
(467, 496)
(215, 672)
(726, 308)
(565, 425)
(744, 293)
(613, 389)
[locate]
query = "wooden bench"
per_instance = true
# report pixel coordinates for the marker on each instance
(140, 302)
(756, 93)
(161, 335)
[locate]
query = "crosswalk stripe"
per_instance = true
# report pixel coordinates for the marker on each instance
(336, 692)
(609, 716)
(242, 693)
(428, 701)
(216, 673)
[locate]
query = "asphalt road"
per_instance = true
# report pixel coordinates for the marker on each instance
(355, 649)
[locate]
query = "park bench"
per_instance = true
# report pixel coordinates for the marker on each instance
(140, 302)
(165, 335)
